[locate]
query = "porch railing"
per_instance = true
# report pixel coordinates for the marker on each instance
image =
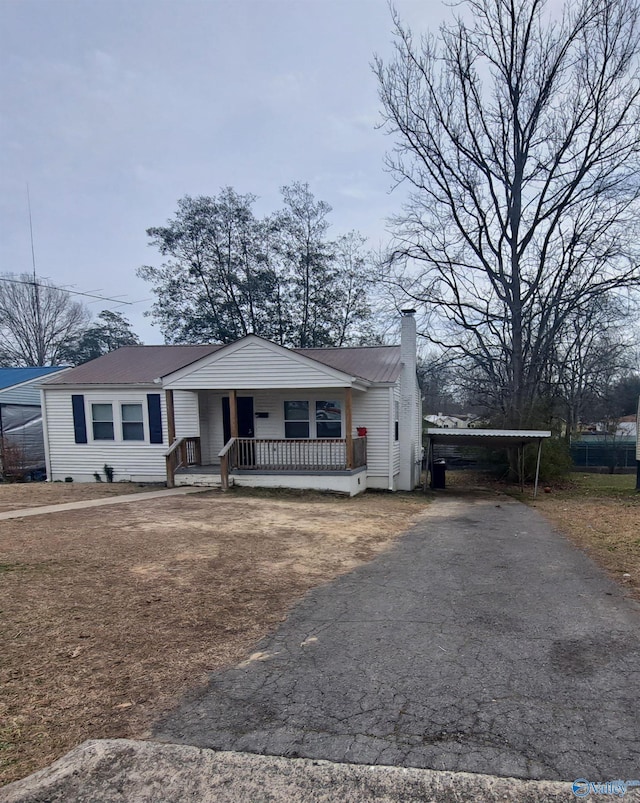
(182, 452)
(320, 454)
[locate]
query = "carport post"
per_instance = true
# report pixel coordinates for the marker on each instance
(535, 488)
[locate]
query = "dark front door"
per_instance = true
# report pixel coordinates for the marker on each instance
(244, 406)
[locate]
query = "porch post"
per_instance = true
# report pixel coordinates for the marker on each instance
(171, 417)
(348, 423)
(233, 413)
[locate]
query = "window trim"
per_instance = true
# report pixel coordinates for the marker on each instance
(139, 422)
(312, 421)
(116, 403)
(306, 420)
(93, 403)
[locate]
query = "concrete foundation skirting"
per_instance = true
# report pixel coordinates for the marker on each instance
(346, 482)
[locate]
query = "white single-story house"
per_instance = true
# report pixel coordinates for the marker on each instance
(250, 413)
(21, 440)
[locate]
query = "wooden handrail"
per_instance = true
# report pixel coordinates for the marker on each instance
(182, 452)
(173, 447)
(227, 455)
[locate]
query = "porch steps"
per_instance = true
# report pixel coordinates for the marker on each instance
(200, 476)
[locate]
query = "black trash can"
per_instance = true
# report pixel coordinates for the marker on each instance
(438, 474)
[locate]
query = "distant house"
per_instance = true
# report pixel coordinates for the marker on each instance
(21, 440)
(622, 429)
(627, 427)
(251, 412)
(443, 421)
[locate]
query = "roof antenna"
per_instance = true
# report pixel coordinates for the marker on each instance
(33, 253)
(40, 350)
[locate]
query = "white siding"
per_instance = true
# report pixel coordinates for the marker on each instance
(270, 402)
(186, 414)
(212, 437)
(255, 366)
(135, 461)
(371, 410)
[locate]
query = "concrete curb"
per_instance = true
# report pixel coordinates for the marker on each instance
(111, 500)
(119, 770)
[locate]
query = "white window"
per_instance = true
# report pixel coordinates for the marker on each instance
(102, 421)
(132, 422)
(296, 419)
(326, 421)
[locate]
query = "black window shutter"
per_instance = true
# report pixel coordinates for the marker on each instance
(155, 418)
(79, 418)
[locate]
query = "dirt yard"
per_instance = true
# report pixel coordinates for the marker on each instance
(14, 496)
(108, 614)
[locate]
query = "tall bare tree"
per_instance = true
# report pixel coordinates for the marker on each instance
(518, 134)
(38, 322)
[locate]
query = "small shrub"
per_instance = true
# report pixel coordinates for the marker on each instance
(555, 460)
(97, 476)
(108, 472)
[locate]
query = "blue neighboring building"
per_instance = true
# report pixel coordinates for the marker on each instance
(22, 452)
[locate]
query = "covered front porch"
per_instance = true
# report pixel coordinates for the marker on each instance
(335, 463)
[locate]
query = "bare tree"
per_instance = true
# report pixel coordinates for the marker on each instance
(38, 322)
(594, 354)
(518, 134)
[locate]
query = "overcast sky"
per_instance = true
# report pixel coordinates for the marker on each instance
(114, 109)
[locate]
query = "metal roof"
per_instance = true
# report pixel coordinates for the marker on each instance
(133, 365)
(16, 376)
(138, 365)
(484, 437)
(373, 363)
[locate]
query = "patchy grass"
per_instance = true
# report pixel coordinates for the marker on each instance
(108, 614)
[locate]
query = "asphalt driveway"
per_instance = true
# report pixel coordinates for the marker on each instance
(483, 642)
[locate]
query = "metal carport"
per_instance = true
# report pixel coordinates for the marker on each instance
(488, 437)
